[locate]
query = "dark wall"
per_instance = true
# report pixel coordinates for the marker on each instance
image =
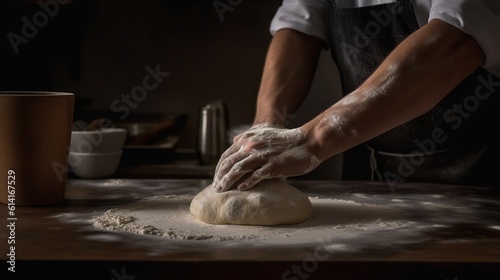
(100, 50)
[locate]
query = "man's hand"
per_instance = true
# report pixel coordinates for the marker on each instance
(263, 152)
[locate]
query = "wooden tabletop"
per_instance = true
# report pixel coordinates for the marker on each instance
(58, 241)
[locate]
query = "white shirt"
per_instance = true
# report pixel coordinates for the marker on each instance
(478, 18)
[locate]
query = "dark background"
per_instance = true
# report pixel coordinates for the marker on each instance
(99, 50)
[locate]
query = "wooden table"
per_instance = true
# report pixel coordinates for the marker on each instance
(55, 248)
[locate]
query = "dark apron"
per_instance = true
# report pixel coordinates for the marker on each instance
(454, 143)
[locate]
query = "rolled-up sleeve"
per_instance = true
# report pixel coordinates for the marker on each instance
(478, 18)
(306, 16)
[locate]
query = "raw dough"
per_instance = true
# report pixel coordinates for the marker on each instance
(270, 202)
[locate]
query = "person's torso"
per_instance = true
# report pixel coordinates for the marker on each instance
(361, 37)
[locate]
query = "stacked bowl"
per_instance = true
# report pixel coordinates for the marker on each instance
(96, 153)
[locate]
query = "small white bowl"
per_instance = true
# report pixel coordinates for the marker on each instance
(94, 165)
(105, 140)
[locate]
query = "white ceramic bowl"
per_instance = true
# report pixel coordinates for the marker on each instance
(94, 165)
(105, 140)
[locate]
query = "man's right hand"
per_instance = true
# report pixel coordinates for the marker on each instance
(263, 152)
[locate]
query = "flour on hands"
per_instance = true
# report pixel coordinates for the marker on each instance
(263, 152)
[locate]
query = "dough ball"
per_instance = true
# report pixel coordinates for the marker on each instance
(270, 202)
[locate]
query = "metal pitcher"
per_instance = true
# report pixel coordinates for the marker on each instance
(212, 132)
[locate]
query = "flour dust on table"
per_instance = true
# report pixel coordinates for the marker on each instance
(169, 217)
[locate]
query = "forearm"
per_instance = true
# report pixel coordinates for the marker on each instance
(419, 73)
(288, 72)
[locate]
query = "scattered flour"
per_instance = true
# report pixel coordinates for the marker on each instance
(169, 217)
(158, 211)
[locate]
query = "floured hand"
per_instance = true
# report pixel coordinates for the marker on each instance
(263, 152)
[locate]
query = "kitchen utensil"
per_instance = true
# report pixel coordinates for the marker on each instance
(212, 132)
(151, 139)
(93, 125)
(35, 131)
(160, 130)
(105, 140)
(94, 165)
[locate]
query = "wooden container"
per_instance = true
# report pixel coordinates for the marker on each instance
(35, 132)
